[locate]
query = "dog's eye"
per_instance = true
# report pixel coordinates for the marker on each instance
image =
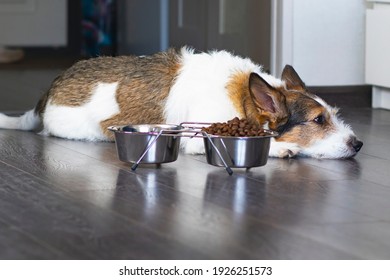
(320, 119)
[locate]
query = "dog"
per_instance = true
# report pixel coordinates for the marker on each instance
(185, 86)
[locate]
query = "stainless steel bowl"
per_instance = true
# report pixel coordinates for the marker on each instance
(161, 142)
(244, 152)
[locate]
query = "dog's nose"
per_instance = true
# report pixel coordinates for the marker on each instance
(356, 144)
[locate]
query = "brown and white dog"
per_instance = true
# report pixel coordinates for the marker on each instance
(178, 86)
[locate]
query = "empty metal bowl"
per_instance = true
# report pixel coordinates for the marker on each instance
(244, 152)
(147, 143)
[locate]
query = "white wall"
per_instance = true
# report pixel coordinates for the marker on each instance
(323, 39)
(377, 52)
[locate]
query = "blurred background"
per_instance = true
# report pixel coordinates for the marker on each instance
(325, 40)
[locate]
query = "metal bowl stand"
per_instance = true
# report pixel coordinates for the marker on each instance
(191, 130)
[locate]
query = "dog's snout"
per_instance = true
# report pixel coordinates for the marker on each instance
(355, 143)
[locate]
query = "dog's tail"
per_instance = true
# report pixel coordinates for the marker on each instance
(28, 121)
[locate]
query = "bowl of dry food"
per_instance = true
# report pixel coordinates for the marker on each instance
(237, 143)
(147, 143)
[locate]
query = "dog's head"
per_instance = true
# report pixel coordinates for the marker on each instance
(306, 124)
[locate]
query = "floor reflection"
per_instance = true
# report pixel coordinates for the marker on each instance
(145, 195)
(235, 191)
(298, 169)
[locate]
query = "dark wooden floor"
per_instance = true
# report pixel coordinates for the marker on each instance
(64, 199)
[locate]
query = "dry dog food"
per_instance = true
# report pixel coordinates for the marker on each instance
(235, 127)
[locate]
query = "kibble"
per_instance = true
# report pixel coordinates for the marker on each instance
(235, 127)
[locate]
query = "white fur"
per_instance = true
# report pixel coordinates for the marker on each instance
(82, 122)
(28, 121)
(335, 144)
(283, 149)
(199, 93)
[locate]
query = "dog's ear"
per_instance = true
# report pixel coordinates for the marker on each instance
(292, 79)
(264, 95)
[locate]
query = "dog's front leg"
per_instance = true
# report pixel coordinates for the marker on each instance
(192, 146)
(283, 149)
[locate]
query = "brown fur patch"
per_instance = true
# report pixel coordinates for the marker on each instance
(142, 94)
(143, 85)
(238, 90)
(74, 87)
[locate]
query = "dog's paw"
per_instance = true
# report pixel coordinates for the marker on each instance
(194, 146)
(284, 150)
(287, 153)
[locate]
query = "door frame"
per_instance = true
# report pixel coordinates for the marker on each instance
(282, 30)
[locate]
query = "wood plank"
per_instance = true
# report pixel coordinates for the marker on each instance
(76, 200)
(69, 227)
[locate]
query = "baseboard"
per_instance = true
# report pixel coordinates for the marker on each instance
(345, 96)
(381, 97)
